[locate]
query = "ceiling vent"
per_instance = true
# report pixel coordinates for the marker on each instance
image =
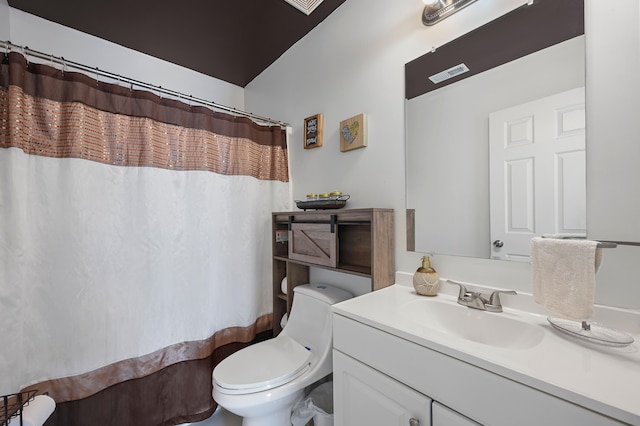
(306, 6)
(450, 73)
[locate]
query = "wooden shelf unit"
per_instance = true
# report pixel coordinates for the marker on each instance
(357, 241)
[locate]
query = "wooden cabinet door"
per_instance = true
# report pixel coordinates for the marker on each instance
(314, 243)
(364, 396)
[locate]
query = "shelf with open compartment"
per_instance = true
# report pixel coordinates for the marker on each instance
(357, 242)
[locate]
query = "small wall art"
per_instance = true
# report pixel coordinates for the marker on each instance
(313, 131)
(353, 133)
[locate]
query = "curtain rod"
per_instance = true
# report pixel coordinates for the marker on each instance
(26, 51)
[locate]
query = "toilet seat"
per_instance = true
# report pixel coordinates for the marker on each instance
(262, 366)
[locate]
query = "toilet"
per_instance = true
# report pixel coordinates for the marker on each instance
(262, 382)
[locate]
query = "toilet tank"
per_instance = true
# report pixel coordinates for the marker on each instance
(310, 319)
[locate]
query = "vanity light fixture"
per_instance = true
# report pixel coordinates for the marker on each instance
(436, 10)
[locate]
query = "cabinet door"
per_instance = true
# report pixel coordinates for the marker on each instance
(314, 243)
(445, 416)
(364, 396)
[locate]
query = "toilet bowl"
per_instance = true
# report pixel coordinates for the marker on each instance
(262, 382)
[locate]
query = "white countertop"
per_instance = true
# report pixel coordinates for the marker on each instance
(601, 378)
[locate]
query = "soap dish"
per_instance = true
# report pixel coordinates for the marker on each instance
(592, 332)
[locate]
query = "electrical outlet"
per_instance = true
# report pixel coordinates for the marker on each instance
(282, 235)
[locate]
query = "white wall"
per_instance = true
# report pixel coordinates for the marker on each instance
(5, 28)
(615, 118)
(51, 38)
(353, 62)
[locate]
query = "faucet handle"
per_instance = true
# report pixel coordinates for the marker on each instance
(494, 304)
(463, 290)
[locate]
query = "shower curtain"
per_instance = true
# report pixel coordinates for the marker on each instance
(134, 244)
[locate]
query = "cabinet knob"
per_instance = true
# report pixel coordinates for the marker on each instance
(414, 422)
(498, 243)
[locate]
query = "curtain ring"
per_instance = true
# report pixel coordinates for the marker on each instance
(24, 53)
(52, 62)
(7, 47)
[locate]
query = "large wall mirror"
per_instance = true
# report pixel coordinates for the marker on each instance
(496, 154)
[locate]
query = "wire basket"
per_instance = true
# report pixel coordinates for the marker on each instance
(12, 405)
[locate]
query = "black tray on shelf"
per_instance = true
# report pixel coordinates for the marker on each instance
(323, 204)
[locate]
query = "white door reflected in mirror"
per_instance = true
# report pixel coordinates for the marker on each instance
(537, 172)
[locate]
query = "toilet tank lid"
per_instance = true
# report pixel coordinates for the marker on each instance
(324, 292)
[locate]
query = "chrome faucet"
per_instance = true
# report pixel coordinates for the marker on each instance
(476, 300)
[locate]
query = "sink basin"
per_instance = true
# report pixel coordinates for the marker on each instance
(494, 329)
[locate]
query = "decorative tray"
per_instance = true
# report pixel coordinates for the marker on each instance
(592, 332)
(338, 203)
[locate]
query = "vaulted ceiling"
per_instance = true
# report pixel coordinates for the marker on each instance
(231, 40)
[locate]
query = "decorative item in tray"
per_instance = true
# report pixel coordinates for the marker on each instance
(334, 200)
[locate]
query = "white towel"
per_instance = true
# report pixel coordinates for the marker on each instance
(564, 276)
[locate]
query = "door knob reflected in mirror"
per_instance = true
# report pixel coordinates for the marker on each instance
(498, 243)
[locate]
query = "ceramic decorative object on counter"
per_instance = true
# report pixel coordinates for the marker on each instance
(426, 280)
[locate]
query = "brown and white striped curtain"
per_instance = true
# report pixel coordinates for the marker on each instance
(134, 244)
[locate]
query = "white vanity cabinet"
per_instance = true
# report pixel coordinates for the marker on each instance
(365, 396)
(383, 379)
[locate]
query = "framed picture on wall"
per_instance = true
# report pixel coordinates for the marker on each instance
(353, 133)
(313, 131)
